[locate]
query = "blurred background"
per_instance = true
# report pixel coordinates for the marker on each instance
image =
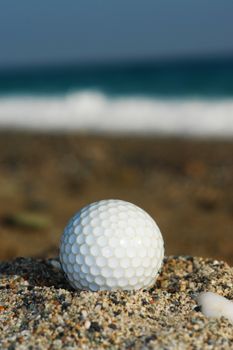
(128, 99)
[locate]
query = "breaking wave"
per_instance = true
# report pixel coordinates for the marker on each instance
(96, 112)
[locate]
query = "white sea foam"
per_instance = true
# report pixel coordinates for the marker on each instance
(96, 112)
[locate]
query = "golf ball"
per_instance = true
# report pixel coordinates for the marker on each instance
(110, 245)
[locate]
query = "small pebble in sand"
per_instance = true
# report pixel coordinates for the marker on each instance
(55, 263)
(214, 305)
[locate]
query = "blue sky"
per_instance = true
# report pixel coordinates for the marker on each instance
(57, 31)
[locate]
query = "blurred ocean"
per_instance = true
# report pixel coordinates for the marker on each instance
(175, 98)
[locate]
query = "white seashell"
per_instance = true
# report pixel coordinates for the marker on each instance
(214, 305)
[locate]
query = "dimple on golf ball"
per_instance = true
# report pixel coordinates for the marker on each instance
(110, 245)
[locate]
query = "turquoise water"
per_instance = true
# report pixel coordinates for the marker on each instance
(207, 79)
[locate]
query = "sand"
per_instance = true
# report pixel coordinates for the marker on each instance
(39, 310)
(186, 185)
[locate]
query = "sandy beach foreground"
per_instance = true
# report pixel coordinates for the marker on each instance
(39, 310)
(186, 185)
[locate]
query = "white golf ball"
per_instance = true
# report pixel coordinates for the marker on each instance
(110, 245)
